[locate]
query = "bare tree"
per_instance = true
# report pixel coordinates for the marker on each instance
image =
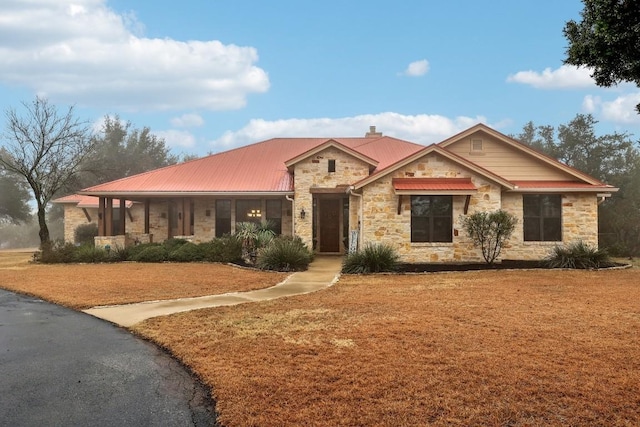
(47, 148)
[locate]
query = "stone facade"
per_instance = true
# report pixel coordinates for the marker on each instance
(313, 173)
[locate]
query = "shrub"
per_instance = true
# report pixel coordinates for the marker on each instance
(56, 253)
(133, 251)
(188, 252)
(489, 231)
(172, 244)
(90, 254)
(253, 237)
(284, 254)
(577, 255)
(85, 233)
(374, 258)
(152, 253)
(227, 248)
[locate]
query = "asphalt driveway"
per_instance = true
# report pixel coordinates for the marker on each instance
(59, 367)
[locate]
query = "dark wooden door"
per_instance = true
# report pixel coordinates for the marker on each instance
(329, 226)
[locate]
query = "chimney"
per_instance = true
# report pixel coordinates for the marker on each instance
(372, 133)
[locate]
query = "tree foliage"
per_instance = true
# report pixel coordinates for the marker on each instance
(490, 231)
(14, 198)
(607, 40)
(47, 148)
(612, 158)
(123, 150)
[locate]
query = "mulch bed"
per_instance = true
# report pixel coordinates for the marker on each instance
(504, 265)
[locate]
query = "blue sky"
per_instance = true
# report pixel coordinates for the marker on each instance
(209, 75)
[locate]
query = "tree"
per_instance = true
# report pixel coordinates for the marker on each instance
(122, 150)
(607, 40)
(47, 148)
(14, 198)
(612, 158)
(490, 230)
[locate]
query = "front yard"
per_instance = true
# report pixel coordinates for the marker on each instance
(517, 348)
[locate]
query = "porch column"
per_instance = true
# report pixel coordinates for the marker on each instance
(186, 217)
(147, 208)
(101, 215)
(123, 215)
(108, 218)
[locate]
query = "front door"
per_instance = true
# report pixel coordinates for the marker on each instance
(329, 227)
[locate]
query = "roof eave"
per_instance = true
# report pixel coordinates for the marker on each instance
(158, 194)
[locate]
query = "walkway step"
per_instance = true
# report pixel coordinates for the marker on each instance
(322, 273)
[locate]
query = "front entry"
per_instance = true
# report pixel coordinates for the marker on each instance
(329, 224)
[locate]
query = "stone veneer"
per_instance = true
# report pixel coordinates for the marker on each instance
(312, 172)
(383, 224)
(579, 223)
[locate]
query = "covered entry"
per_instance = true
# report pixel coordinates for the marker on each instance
(330, 223)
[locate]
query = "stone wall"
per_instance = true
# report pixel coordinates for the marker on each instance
(579, 222)
(383, 224)
(313, 172)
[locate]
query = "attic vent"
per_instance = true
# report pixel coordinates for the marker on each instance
(372, 133)
(476, 145)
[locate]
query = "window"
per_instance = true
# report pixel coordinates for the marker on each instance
(332, 165)
(223, 217)
(431, 218)
(274, 215)
(542, 217)
(249, 211)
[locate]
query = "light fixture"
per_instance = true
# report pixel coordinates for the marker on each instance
(302, 213)
(254, 213)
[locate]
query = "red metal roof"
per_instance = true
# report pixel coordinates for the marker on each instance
(550, 185)
(87, 201)
(258, 168)
(436, 184)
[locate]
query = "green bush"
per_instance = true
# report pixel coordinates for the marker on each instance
(374, 258)
(489, 231)
(223, 249)
(188, 252)
(85, 233)
(172, 244)
(90, 254)
(133, 251)
(152, 253)
(577, 255)
(284, 254)
(57, 253)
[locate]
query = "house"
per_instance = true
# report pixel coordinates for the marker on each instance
(341, 193)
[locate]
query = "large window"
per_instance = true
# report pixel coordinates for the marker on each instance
(274, 215)
(223, 217)
(249, 210)
(431, 218)
(542, 217)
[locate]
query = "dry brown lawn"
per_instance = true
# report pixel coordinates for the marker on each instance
(530, 348)
(86, 285)
(497, 348)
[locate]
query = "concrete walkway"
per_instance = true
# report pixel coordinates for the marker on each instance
(322, 273)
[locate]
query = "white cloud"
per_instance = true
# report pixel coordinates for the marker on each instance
(187, 121)
(621, 110)
(84, 52)
(565, 77)
(417, 68)
(177, 138)
(422, 128)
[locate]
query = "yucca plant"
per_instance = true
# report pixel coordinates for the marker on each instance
(374, 258)
(577, 255)
(284, 254)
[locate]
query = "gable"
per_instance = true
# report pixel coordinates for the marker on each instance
(505, 160)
